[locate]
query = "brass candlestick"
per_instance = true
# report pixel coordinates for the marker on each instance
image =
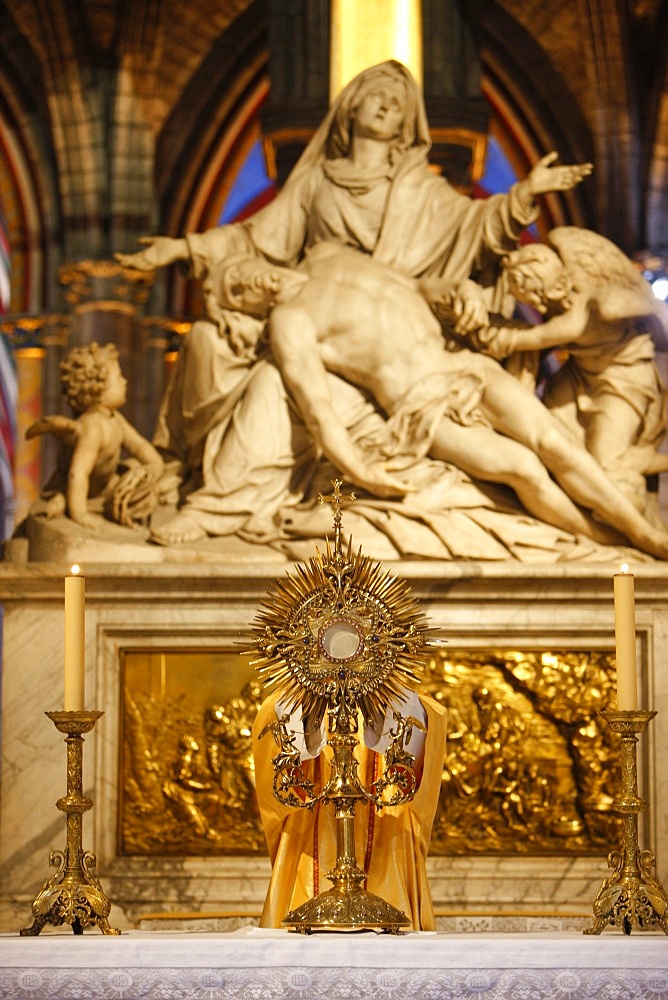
(73, 895)
(630, 896)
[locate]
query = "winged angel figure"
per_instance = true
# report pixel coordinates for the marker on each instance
(92, 443)
(601, 313)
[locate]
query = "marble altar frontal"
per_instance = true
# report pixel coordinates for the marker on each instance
(253, 962)
(181, 607)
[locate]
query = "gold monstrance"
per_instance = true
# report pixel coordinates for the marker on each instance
(342, 638)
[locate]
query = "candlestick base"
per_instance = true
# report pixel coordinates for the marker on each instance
(73, 895)
(631, 896)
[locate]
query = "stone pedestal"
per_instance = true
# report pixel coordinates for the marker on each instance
(197, 605)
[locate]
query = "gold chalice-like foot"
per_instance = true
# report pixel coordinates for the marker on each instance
(346, 907)
(630, 897)
(75, 898)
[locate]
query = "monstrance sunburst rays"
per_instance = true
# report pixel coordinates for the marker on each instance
(341, 630)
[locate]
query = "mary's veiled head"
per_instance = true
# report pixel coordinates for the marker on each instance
(332, 139)
(413, 129)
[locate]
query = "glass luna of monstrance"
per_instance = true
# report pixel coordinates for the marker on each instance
(342, 641)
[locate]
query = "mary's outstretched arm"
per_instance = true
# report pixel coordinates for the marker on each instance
(159, 251)
(547, 176)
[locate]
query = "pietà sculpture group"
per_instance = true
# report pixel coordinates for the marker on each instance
(365, 324)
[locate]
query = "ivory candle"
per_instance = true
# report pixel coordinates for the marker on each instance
(625, 641)
(75, 588)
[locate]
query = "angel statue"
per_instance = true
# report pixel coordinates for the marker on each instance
(396, 753)
(89, 464)
(600, 310)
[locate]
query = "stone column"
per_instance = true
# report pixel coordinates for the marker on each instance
(38, 345)
(363, 34)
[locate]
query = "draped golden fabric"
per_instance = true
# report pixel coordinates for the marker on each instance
(391, 845)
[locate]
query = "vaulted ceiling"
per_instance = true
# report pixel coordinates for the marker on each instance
(122, 117)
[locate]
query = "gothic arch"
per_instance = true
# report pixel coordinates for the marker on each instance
(522, 87)
(208, 133)
(525, 137)
(22, 201)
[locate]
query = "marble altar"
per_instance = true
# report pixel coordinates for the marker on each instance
(209, 605)
(250, 963)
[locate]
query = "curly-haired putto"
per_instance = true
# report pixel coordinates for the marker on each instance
(84, 373)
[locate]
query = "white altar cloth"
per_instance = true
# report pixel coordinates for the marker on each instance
(254, 964)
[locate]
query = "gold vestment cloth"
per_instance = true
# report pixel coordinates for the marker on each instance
(391, 845)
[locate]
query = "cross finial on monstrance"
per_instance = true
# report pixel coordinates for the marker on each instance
(337, 499)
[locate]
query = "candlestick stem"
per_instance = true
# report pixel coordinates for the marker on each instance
(631, 896)
(73, 895)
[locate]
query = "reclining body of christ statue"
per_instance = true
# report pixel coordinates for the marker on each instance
(343, 313)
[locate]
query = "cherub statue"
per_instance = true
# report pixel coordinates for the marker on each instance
(93, 442)
(599, 309)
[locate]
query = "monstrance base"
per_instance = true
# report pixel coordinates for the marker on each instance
(355, 910)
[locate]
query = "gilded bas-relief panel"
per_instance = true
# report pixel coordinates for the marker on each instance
(530, 766)
(187, 773)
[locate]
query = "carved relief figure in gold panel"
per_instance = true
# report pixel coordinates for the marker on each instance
(188, 786)
(530, 763)
(188, 774)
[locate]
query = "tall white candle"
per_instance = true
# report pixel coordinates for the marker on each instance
(75, 589)
(625, 641)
